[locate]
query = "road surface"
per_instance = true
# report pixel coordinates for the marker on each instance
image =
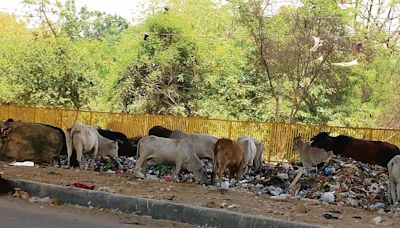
(18, 213)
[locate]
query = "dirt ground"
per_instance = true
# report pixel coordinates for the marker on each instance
(310, 211)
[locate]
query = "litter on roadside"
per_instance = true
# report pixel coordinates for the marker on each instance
(25, 163)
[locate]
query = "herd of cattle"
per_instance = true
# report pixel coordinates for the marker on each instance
(184, 150)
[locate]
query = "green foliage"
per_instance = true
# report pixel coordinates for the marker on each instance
(227, 60)
(163, 79)
(48, 72)
(89, 24)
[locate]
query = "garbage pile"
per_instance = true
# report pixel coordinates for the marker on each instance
(341, 181)
(127, 165)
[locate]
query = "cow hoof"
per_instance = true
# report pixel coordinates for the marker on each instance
(139, 175)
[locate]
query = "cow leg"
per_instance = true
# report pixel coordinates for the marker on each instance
(69, 158)
(392, 191)
(95, 150)
(231, 174)
(79, 156)
(238, 175)
(221, 170)
(144, 168)
(234, 173)
(397, 193)
(178, 167)
(214, 173)
(246, 169)
(139, 165)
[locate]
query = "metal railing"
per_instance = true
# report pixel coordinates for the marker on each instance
(277, 137)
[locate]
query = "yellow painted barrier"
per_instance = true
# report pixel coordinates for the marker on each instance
(277, 137)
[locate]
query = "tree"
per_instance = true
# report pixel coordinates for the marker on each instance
(294, 74)
(65, 19)
(50, 72)
(164, 78)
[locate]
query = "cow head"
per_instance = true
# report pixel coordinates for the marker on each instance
(322, 140)
(201, 174)
(297, 141)
(113, 149)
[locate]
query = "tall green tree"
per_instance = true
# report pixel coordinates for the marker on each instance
(164, 78)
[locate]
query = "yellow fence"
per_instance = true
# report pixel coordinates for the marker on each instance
(277, 137)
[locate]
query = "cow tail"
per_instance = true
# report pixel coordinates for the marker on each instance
(138, 149)
(215, 162)
(242, 165)
(68, 142)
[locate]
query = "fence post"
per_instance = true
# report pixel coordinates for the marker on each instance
(61, 118)
(9, 112)
(230, 129)
(34, 115)
(269, 146)
(90, 118)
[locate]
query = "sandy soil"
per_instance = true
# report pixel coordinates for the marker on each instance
(310, 211)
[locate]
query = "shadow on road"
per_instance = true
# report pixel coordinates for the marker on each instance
(5, 186)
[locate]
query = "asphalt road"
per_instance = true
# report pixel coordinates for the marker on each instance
(19, 213)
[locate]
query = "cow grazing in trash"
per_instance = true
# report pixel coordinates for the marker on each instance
(394, 179)
(228, 154)
(250, 151)
(84, 138)
(202, 143)
(26, 141)
(310, 156)
(372, 152)
(178, 152)
(125, 148)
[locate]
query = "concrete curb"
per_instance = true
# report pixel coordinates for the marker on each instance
(157, 209)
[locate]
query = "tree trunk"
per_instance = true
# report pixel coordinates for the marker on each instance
(277, 109)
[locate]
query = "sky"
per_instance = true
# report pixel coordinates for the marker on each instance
(128, 9)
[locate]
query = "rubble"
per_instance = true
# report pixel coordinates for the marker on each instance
(81, 185)
(328, 197)
(25, 163)
(45, 200)
(377, 220)
(20, 193)
(106, 189)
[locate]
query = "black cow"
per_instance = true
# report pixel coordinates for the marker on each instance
(125, 148)
(160, 131)
(372, 152)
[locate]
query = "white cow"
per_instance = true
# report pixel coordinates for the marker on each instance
(84, 138)
(178, 152)
(394, 179)
(202, 144)
(310, 156)
(258, 160)
(250, 151)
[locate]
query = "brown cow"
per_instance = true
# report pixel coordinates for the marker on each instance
(35, 142)
(372, 152)
(228, 154)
